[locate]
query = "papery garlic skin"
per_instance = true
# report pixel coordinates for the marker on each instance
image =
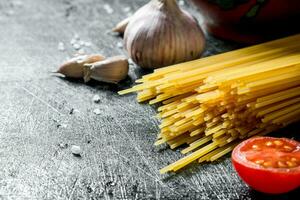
(73, 68)
(161, 34)
(110, 70)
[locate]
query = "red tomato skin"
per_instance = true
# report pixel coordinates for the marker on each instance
(266, 180)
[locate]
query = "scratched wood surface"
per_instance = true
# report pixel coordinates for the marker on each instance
(41, 116)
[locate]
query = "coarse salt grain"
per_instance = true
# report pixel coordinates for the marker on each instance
(76, 46)
(81, 42)
(108, 9)
(120, 45)
(76, 150)
(127, 9)
(97, 111)
(87, 44)
(73, 41)
(96, 98)
(61, 46)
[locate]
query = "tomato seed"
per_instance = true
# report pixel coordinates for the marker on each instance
(291, 164)
(269, 143)
(278, 143)
(281, 164)
(294, 159)
(259, 162)
(255, 147)
(267, 164)
(288, 148)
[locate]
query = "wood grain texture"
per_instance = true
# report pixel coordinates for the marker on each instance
(41, 116)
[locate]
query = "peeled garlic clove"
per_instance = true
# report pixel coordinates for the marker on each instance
(161, 34)
(73, 68)
(110, 70)
(121, 26)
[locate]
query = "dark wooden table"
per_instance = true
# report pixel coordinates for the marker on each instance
(41, 116)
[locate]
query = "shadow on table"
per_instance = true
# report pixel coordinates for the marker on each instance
(124, 84)
(261, 196)
(291, 131)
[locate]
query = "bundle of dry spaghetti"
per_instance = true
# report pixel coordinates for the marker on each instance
(213, 103)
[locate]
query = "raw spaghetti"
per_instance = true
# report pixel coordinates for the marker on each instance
(213, 103)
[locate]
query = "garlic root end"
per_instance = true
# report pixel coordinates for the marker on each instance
(121, 26)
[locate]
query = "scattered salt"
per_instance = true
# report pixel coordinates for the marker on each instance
(87, 44)
(63, 125)
(73, 41)
(76, 150)
(76, 46)
(74, 111)
(127, 9)
(63, 146)
(81, 42)
(108, 9)
(61, 46)
(120, 45)
(60, 125)
(97, 111)
(96, 98)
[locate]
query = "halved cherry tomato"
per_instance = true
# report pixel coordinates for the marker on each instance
(269, 165)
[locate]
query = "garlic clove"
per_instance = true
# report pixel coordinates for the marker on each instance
(73, 68)
(121, 26)
(161, 34)
(110, 70)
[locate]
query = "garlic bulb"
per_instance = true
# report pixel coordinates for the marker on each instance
(161, 34)
(110, 70)
(73, 68)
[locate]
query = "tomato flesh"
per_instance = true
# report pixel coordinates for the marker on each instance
(270, 165)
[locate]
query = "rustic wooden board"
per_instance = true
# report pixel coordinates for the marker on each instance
(41, 116)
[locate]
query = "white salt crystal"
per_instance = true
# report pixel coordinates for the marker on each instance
(127, 9)
(81, 42)
(120, 45)
(61, 46)
(73, 41)
(97, 111)
(96, 98)
(87, 44)
(76, 46)
(108, 9)
(63, 125)
(76, 150)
